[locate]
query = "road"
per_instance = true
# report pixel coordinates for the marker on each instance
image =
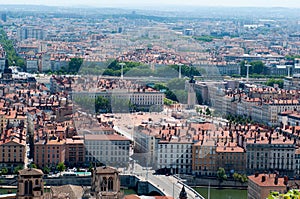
(169, 185)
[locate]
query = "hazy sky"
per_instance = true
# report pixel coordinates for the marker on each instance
(136, 3)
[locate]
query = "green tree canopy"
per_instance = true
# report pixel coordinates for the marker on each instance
(4, 171)
(257, 67)
(17, 169)
(272, 81)
(46, 170)
(221, 175)
(8, 45)
(74, 65)
(61, 167)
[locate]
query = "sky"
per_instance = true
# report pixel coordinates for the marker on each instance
(142, 3)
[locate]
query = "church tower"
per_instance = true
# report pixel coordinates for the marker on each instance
(30, 184)
(183, 194)
(191, 94)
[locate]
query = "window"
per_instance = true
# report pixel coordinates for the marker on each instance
(110, 184)
(103, 184)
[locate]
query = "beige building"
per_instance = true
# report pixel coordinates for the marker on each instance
(12, 152)
(105, 183)
(260, 185)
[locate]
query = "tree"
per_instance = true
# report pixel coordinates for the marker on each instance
(102, 105)
(46, 170)
(32, 165)
(17, 169)
(221, 175)
(176, 84)
(61, 167)
(257, 67)
(207, 111)
(272, 81)
(291, 194)
(74, 65)
(236, 176)
(4, 171)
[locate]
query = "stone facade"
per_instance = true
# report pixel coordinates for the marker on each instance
(30, 184)
(105, 183)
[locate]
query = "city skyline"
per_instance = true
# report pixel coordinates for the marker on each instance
(136, 3)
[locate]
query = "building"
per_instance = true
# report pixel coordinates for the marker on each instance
(49, 152)
(12, 149)
(123, 95)
(146, 143)
(260, 185)
(191, 94)
(204, 158)
(175, 155)
(270, 153)
(75, 151)
(30, 184)
(30, 32)
(112, 150)
(65, 192)
(3, 17)
(2, 64)
(231, 157)
(32, 65)
(291, 83)
(105, 183)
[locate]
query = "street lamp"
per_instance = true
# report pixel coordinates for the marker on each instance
(247, 77)
(173, 190)
(122, 65)
(179, 72)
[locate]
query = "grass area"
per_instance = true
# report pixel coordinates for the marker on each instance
(7, 191)
(222, 193)
(128, 191)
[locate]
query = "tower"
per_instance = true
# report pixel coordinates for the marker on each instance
(182, 194)
(7, 73)
(105, 183)
(30, 184)
(191, 93)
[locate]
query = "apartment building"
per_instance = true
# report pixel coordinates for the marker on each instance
(75, 151)
(270, 152)
(261, 185)
(175, 154)
(49, 152)
(292, 83)
(204, 158)
(231, 157)
(112, 150)
(12, 152)
(146, 142)
(32, 65)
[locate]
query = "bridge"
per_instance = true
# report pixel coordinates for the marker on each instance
(168, 185)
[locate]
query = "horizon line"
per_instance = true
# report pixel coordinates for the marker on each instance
(151, 6)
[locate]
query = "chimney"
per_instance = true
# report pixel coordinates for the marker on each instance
(263, 178)
(256, 174)
(276, 180)
(293, 130)
(286, 180)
